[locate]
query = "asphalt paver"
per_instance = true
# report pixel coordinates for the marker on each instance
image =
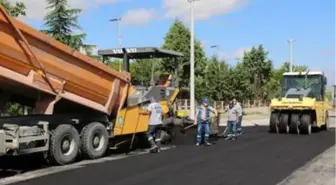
(257, 157)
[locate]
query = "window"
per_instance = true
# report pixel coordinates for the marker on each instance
(299, 81)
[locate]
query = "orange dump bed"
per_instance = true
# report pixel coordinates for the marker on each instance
(31, 61)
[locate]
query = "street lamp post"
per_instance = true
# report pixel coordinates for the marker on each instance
(290, 41)
(118, 20)
(216, 46)
(192, 62)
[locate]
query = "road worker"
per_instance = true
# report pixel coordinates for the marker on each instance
(202, 120)
(154, 125)
(240, 115)
(233, 114)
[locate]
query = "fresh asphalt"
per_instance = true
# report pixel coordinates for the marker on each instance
(257, 157)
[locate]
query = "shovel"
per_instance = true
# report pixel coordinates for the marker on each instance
(183, 130)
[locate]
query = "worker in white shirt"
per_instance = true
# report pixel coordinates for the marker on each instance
(240, 115)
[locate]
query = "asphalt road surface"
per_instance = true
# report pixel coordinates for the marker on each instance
(257, 157)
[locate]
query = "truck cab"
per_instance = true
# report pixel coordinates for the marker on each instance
(309, 84)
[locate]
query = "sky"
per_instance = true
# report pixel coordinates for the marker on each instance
(234, 25)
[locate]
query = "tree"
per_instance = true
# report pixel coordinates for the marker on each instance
(142, 71)
(239, 83)
(60, 23)
(178, 39)
(216, 79)
(259, 67)
(296, 68)
(300, 68)
(14, 10)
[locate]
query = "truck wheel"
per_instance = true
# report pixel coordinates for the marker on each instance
(274, 123)
(283, 125)
(294, 124)
(306, 126)
(64, 145)
(94, 139)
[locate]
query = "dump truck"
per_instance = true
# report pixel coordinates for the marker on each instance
(81, 107)
(302, 105)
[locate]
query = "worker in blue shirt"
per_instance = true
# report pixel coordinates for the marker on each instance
(202, 120)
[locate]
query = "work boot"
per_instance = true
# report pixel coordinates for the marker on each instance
(158, 145)
(207, 143)
(229, 137)
(153, 147)
(154, 150)
(234, 137)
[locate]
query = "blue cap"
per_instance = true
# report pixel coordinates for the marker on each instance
(205, 100)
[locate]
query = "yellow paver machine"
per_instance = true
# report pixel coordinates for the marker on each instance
(165, 88)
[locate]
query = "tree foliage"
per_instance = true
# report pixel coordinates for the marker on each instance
(178, 39)
(259, 69)
(61, 22)
(141, 70)
(296, 68)
(216, 79)
(14, 10)
(246, 80)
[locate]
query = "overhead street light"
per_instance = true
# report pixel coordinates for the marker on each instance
(290, 41)
(192, 61)
(118, 20)
(216, 46)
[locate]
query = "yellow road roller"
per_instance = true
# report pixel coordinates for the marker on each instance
(303, 105)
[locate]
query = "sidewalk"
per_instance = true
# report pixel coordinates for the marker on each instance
(249, 120)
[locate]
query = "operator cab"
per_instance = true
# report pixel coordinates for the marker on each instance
(304, 84)
(161, 89)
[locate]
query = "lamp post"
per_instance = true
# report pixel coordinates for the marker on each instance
(290, 41)
(216, 46)
(192, 61)
(118, 20)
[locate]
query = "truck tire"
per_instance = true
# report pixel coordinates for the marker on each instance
(294, 126)
(306, 124)
(274, 123)
(94, 140)
(64, 145)
(283, 125)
